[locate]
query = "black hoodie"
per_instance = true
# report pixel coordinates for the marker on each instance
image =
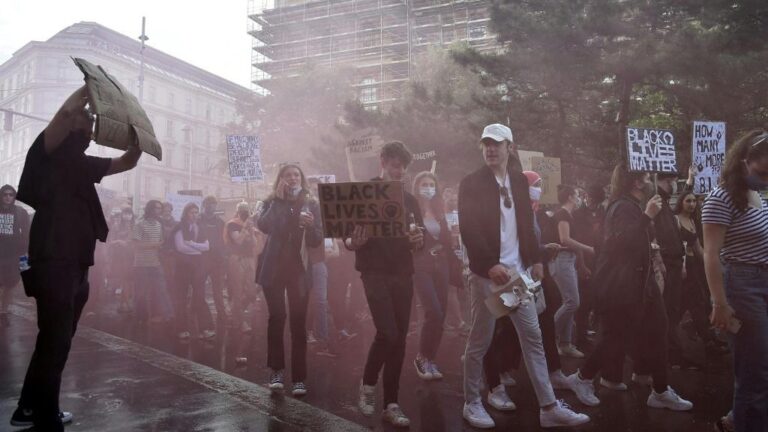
(14, 229)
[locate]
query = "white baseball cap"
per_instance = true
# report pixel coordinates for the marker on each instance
(497, 132)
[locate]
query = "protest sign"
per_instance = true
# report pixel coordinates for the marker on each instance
(363, 156)
(651, 150)
(708, 154)
(120, 119)
(178, 201)
(378, 206)
(244, 154)
(551, 176)
(525, 158)
(322, 178)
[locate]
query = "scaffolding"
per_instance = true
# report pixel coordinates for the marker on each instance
(378, 38)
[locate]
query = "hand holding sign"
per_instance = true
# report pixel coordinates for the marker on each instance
(653, 207)
(359, 237)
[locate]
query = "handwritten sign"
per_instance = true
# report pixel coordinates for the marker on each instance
(178, 201)
(244, 152)
(526, 156)
(363, 156)
(708, 154)
(378, 206)
(550, 170)
(322, 178)
(651, 150)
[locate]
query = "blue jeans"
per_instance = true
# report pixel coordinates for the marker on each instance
(150, 294)
(319, 299)
(432, 289)
(746, 287)
(563, 271)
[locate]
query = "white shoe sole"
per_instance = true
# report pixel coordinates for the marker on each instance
(277, 387)
(572, 424)
(365, 410)
(661, 406)
(479, 425)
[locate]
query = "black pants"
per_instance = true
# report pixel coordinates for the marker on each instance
(389, 299)
(61, 291)
(292, 284)
(190, 284)
(582, 315)
(673, 300)
(215, 268)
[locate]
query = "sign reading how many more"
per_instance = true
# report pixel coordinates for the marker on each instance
(549, 170)
(708, 154)
(651, 150)
(244, 153)
(377, 206)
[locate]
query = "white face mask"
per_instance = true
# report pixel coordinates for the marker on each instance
(295, 190)
(427, 192)
(535, 193)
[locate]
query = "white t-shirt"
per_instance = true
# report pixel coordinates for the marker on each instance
(510, 243)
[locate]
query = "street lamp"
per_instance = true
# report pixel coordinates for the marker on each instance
(187, 129)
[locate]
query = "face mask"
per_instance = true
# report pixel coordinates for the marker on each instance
(295, 191)
(243, 215)
(755, 183)
(427, 192)
(535, 193)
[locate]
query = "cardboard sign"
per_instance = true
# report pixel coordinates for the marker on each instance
(120, 119)
(708, 154)
(322, 178)
(551, 176)
(526, 156)
(363, 158)
(178, 202)
(651, 150)
(378, 206)
(244, 154)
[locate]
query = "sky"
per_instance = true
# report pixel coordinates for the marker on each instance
(210, 34)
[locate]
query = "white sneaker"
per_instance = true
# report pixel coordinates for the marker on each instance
(569, 351)
(394, 415)
(500, 400)
(644, 380)
(559, 381)
(584, 389)
(367, 399)
(507, 379)
(436, 374)
(669, 400)
(422, 368)
(610, 385)
(561, 415)
(477, 416)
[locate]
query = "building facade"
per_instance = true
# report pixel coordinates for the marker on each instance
(378, 38)
(188, 107)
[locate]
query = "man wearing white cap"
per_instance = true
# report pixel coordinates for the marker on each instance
(497, 228)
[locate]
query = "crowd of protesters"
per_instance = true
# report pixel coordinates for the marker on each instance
(605, 276)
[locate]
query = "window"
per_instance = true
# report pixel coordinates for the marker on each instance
(171, 99)
(208, 112)
(148, 187)
(152, 93)
(166, 187)
(368, 94)
(207, 137)
(187, 134)
(169, 158)
(186, 159)
(169, 128)
(188, 105)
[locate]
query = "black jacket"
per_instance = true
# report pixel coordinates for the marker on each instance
(622, 277)
(480, 217)
(668, 231)
(213, 227)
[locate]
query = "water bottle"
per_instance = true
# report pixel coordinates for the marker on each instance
(412, 227)
(304, 212)
(24, 263)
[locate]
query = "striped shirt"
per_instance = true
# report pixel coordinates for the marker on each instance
(150, 231)
(746, 238)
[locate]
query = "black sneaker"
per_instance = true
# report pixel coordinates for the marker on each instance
(276, 381)
(23, 418)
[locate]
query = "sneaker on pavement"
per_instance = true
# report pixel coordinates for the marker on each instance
(436, 374)
(584, 389)
(367, 399)
(276, 380)
(610, 385)
(299, 389)
(394, 415)
(669, 400)
(644, 380)
(500, 400)
(506, 379)
(207, 334)
(559, 380)
(23, 417)
(561, 415)
(569, 351)
(422, 368)
(477, 416)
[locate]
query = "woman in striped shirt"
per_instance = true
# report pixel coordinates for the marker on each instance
(735, 221)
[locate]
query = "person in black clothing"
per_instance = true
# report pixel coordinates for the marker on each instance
(14, 236)
(289, 220)
(58, 182)
(215, 260)
(628, 301)
(386, 268)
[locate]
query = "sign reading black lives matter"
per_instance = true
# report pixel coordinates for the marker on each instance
(651, 150)
(708, 154)
(378, 206)
(244, 153)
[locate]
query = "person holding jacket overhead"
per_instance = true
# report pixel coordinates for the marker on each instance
(289, 219)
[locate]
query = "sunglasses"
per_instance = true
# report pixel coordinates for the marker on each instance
(505, 194)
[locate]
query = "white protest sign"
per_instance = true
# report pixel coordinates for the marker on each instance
(551, 176)
(526, 156)
(322, 178)
(378, 206)
(178, 202)
(244, 152)
(651, 150)
(708, 154)
(363, 156)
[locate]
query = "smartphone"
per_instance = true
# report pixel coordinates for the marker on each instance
(734, 325)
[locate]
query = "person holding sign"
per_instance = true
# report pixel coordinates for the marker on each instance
(735, 221)
(386, 268)
(58, 182)
(288, 219)
(497, 228)
(628, 301)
